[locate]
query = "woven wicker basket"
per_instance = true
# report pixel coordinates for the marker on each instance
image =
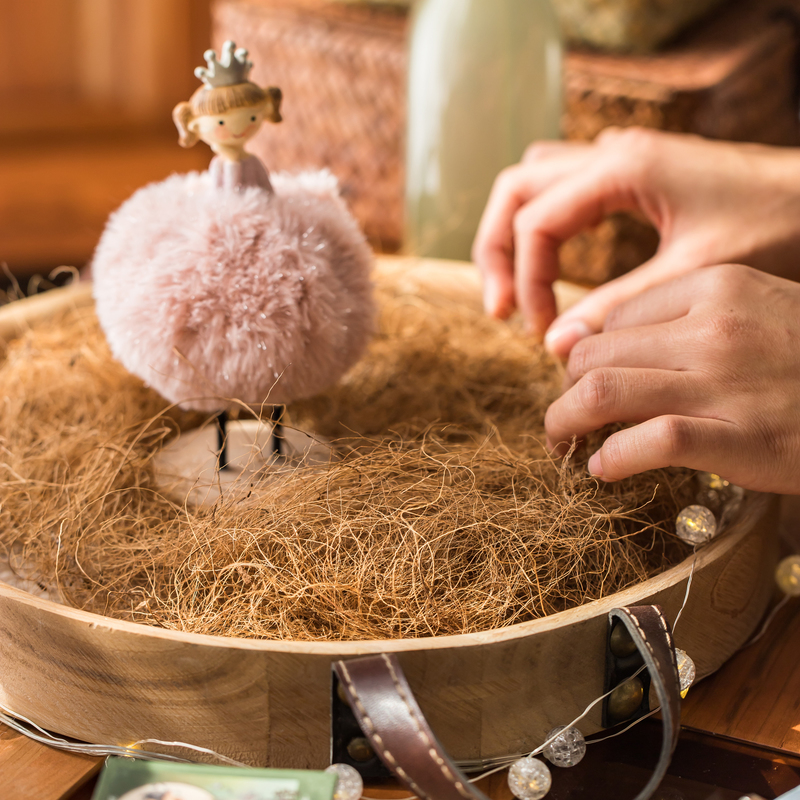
(342, 71)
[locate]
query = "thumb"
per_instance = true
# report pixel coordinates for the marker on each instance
(588, 315)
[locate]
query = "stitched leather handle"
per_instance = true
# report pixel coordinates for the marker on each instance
(390, 718)
(652, 636)
(389, 715)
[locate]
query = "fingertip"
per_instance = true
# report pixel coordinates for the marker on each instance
(498, 301)
(562, 336)
(490, 297)
(595, 466)
(533, 328)
(539, 310)
(506, 306)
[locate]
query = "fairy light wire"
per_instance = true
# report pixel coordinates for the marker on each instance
(686, 596)
(14, 721)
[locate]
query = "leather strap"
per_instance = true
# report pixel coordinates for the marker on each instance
(390, 718)
(652, 636)
(389, 715)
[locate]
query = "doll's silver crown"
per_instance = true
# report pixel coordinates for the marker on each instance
(232, 66)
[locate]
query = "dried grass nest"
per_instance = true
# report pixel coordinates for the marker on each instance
(444, 514)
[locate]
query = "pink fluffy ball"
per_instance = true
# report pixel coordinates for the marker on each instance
(213, 296)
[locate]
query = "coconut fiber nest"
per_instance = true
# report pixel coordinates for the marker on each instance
(443, 513)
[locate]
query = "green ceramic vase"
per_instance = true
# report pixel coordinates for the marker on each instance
(484, 82)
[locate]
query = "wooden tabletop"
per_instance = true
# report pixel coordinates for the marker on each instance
(741, 734)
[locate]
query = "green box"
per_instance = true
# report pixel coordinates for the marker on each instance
(132, 779)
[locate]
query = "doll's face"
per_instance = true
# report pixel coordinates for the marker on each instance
(231, 128)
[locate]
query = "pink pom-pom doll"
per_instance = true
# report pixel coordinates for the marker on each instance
(233, 286)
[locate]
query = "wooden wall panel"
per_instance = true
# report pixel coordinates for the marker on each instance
(129, 57)
(86, 91)
(37, 40)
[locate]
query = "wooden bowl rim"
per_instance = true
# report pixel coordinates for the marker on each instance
(754, 506)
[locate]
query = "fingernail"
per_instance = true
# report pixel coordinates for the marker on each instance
(563, 336)
(491, 298)
(596, 465)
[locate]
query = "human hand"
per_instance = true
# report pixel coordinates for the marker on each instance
(712, 202)
(708, 366)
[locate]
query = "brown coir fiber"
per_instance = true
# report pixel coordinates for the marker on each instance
(443, 515)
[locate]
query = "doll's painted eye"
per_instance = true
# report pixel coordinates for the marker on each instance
(252, 119)
(222, 122)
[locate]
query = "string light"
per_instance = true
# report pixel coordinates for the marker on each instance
(567, 748)
(687, 671)
(721, 496)
(787, 576)
(349, 783)
(529, 778)
(696, 525)
(14, 721)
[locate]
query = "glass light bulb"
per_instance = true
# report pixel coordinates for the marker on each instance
(722, 497)
(787, 576)
(349, 785)
(687, 671)
(529, 778)
(696, 525)
(567, 749)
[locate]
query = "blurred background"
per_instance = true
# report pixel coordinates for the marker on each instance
(87, 88)
(86, 91)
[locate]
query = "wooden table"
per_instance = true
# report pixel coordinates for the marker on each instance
(741, 734)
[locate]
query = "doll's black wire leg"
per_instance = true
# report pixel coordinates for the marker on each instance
(277, 430)
(222, 440)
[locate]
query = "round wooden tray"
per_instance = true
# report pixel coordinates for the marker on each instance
(268, 702)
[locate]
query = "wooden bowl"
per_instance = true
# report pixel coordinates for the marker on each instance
(268, 702)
